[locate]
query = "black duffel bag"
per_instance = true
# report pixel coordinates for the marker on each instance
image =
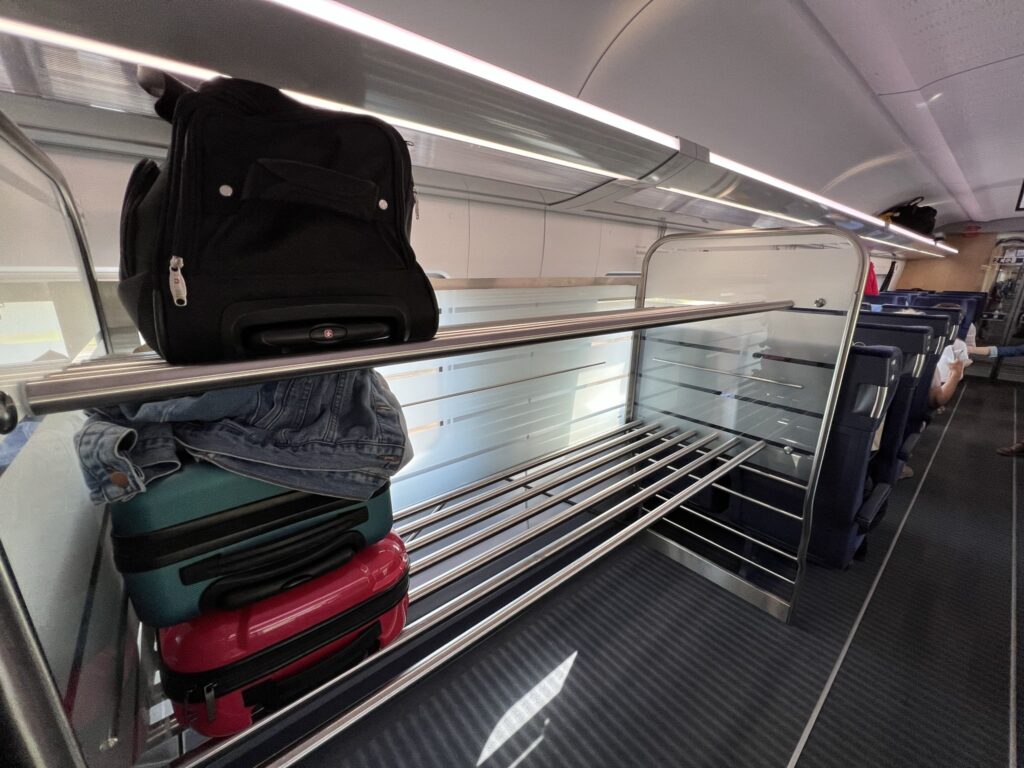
(272, 227)
(912, 215)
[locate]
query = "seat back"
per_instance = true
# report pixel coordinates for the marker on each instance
(968, 306)
(943, 329)
(913, 341)
(867, 391)
(889, 297)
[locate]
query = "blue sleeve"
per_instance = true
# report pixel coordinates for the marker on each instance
(1017, 351)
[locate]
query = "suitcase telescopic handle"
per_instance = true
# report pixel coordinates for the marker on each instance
(234, 591)
(274, 694)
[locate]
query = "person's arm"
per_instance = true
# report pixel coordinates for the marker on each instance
(1017, 351)
(942, 394)
(982, 351)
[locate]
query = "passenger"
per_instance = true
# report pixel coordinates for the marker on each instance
(949, 371)
(947, 377)
(1017, 449)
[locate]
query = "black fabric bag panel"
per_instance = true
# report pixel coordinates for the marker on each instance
(271, 206)
(913, 215)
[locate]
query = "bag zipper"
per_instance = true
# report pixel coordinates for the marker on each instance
(204, 687)
(176, 280)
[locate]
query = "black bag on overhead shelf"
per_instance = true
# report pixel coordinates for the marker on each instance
(912, 215)
(272, 227)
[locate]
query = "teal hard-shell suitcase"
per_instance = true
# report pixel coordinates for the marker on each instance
(207, 539)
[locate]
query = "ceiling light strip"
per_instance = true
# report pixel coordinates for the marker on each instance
(753, 173)
(740, 206)
(342, 16)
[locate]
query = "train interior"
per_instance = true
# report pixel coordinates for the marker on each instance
(691, 481)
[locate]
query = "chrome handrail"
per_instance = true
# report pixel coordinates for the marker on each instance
(97, 388)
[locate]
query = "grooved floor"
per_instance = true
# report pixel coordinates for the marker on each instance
(640, 662)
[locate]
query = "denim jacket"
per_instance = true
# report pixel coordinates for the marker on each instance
(337, 434)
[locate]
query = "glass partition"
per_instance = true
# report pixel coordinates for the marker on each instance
(770, 377)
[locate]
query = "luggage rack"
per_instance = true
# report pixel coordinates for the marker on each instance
(472, 547)
(601, 474)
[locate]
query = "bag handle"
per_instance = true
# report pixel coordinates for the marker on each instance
(259, 582)
(275, 694)
(293, 182)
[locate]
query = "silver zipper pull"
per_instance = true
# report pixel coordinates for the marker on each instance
(179, 291)
(211, 702)
(416, 203)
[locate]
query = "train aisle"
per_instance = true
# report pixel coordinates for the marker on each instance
(927, 678)
(903, 660)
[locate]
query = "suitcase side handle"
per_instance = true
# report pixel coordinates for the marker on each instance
(275, 694)
(234, 591)
(290, 181)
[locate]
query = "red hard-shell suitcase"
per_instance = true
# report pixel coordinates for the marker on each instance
(223, 667)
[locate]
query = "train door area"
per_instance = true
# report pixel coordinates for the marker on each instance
(1002, 321)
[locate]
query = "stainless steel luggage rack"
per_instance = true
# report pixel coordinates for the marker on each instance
(734, 374)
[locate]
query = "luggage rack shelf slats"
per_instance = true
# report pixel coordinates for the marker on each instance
(617, 481)
(98, 385)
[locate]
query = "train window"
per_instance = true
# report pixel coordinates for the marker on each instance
(47, 315)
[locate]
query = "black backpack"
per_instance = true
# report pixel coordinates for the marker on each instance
(272, 227)
(912, 215)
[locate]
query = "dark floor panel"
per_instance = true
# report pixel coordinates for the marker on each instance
(926, 680)
(640, 662)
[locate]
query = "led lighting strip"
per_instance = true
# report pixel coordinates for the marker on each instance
(741, 207)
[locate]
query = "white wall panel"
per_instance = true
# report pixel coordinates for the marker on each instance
(440, 236)
(505, 241)
(571, 245)
(623, 246)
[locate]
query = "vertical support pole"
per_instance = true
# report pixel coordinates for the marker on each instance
(34, 731)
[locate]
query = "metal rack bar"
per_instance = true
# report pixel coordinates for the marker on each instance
(444, 612)
(483, 558)
(551, 501)
(730, 529)
(728, 551)
(465, 522)
(50, 395)
(770, 476)
(448, 651)
(606, 443)
(565, 496)
(752, 500)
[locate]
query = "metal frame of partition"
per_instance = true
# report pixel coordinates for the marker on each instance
(713, 572)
